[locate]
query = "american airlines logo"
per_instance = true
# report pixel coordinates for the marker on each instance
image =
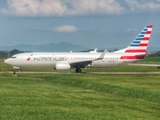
(28, 59)
(56, 58)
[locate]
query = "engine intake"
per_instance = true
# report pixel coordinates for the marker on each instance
(62, 66)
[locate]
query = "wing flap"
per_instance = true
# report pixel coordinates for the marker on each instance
(86, 63)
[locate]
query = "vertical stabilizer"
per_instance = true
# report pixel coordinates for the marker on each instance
(138, 48)
(140, 43)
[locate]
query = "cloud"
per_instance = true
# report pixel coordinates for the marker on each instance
(135, 6)
(95, 6)
(34, 8)
(61, 7)
(65, 28)
(131, 30)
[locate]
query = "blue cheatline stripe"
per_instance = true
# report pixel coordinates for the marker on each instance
(134, 44)
(136, 41)
(138, 38)
(140, 35)
(143, 33)
(145, 29)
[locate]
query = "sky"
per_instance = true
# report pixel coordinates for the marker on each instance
(91, 23)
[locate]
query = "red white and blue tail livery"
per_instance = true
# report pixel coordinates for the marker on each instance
(140, 43)
(66, 60)
(138, 48)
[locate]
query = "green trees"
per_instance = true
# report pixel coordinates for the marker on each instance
(6, 54)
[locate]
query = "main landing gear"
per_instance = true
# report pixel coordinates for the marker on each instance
(78, 70)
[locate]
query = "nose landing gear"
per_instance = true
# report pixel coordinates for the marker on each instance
(19, 70)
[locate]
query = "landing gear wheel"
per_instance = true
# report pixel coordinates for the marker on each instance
(78, 70)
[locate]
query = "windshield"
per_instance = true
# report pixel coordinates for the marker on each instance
(13, 57)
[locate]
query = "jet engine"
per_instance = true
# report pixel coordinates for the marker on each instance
(62, 66)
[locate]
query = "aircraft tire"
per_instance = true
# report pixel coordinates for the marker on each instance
(78, 70)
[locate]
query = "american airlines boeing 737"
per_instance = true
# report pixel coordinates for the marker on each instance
(66, 60)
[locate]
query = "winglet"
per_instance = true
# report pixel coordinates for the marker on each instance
(102, 55)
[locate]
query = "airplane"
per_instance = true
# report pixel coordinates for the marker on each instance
(94, 51)
(66, 60)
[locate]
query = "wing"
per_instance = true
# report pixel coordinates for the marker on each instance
(86, 63)
(81, 64)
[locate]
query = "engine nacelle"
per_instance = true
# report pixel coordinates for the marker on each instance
(62, 66)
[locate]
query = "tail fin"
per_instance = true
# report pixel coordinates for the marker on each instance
(140, 43)
(138, 48)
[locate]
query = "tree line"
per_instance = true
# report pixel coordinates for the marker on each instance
(7, 54)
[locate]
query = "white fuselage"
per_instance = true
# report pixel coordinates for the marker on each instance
(50, 59)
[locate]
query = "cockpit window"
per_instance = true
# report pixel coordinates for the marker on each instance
(13, 57)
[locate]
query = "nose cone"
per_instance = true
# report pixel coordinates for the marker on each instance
(7, 61)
